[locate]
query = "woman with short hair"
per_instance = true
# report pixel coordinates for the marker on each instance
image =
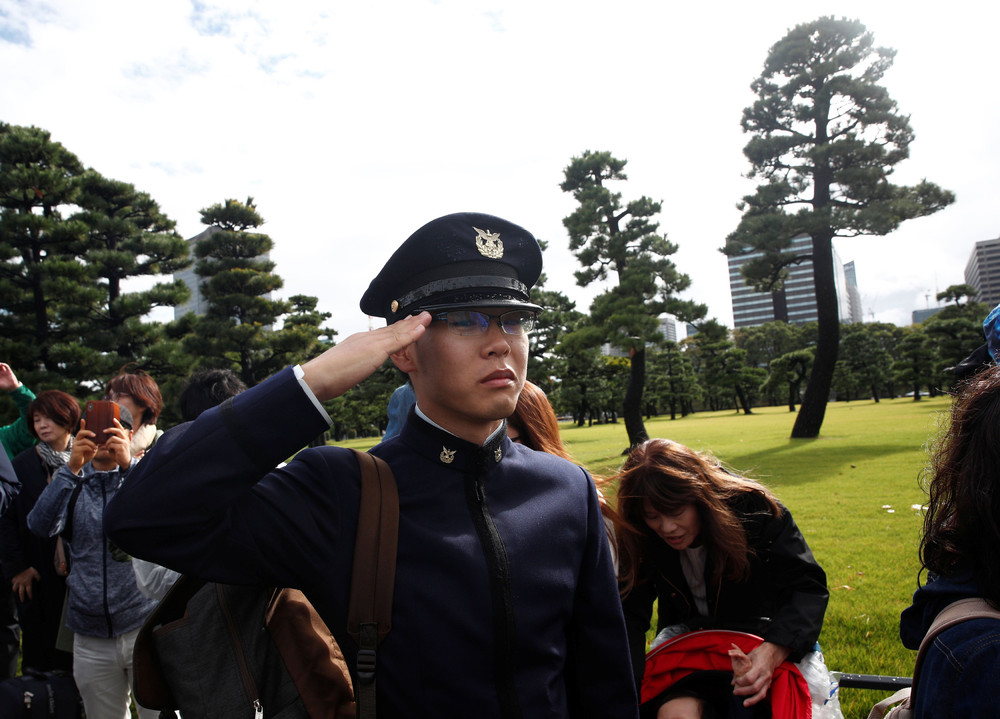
(30, 561)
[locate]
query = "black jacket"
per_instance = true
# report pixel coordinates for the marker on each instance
(783, 600)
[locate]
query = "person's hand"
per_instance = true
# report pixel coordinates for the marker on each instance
(84, 448)
(357, 357)
(753, 672)
(8, 382)
(21, 583)
(118, 444)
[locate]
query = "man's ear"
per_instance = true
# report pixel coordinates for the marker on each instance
(403, 359)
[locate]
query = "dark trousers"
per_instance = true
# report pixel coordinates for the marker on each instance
(10, 632)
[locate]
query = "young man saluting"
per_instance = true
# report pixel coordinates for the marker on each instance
(505, 603)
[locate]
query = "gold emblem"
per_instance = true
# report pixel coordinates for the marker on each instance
(497, 454)
(447, 455)
(489, 244)
(394, 307)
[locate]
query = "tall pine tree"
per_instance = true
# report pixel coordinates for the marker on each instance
(619, 241)
(825, 139)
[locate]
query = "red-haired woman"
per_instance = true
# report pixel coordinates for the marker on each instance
(719, 552)
(29, 560)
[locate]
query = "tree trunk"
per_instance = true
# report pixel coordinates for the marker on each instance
(632, 407)
(813, 406)
(742, 399)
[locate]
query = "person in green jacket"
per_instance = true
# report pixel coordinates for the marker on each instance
(16, 437)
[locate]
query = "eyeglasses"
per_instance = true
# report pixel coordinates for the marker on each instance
(470, 322)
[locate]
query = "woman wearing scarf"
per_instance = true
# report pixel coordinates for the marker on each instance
(28, 560)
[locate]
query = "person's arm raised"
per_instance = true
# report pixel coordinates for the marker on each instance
(352, 361)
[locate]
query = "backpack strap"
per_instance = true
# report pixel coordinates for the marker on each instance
(955, 613)
(374, 573)
(67, 532)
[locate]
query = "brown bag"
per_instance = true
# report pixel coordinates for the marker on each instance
(296, 667)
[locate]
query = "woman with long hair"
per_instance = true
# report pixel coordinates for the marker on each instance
(30, 561)
(534, 423)
(718, 551)
(958, 553)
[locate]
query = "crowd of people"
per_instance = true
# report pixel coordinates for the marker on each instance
(525, 586)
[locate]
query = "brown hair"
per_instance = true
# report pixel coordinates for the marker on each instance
(536, 422)
(962, 524)
(671, 476)
(142, 389)
(61, 408)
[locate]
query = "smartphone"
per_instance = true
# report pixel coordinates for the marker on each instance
(100, 415)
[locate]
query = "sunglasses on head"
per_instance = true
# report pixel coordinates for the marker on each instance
(472, 322)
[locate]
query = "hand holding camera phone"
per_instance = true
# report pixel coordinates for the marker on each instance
(100, 415)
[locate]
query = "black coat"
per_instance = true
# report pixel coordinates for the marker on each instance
(783, 599)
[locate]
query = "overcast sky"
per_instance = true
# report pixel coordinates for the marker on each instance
(352, 124)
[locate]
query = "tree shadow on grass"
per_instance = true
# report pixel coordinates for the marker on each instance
(812, 460)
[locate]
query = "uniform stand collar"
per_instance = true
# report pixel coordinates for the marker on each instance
(449, 451)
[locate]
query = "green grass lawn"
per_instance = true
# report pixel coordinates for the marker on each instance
(852, 493)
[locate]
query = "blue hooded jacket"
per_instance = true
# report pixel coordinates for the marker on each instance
(104, 600)
(961, 670)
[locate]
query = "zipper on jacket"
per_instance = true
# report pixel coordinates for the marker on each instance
(249, 685)
(104, 556)
(504, 632)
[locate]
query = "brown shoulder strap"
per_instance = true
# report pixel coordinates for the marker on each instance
(369, 615)
(954, 613)
(374, 571)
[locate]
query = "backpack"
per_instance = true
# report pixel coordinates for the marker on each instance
(203, 650)
(954, 613)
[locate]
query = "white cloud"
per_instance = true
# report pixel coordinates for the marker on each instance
(354, 123)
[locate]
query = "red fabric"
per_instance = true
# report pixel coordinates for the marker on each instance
(693, 651)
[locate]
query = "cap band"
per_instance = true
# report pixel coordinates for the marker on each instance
(462, 284)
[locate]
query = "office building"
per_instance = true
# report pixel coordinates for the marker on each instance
(795, 303)
(855, 309)
(982, 271)
(197, 303)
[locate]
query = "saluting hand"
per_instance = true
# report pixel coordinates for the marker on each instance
(357, 357)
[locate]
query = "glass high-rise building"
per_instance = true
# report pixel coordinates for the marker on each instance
(795, 303)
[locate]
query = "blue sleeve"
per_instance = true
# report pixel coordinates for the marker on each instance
(48, 517)
(599, 667)
(207, 499)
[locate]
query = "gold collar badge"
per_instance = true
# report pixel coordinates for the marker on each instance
(489, 244)
(497, 454)
(447, 455)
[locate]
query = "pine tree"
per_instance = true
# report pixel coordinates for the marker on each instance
(825, 139)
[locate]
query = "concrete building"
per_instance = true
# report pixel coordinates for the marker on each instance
(855, 310)
(796, 302)
(982, 271)
(197, 303)
(919, 316)
(668, 327)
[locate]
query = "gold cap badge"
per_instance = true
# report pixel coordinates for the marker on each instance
(489, 244)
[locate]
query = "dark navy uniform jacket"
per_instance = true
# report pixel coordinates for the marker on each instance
(505, 599)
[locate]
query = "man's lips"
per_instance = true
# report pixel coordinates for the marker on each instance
(499, 377)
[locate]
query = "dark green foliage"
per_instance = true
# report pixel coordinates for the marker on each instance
(40, 275)
(237, 330)
(620, 242)
(825, 139)
(787, 372)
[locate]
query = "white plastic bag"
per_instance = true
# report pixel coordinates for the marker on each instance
(823, 687)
